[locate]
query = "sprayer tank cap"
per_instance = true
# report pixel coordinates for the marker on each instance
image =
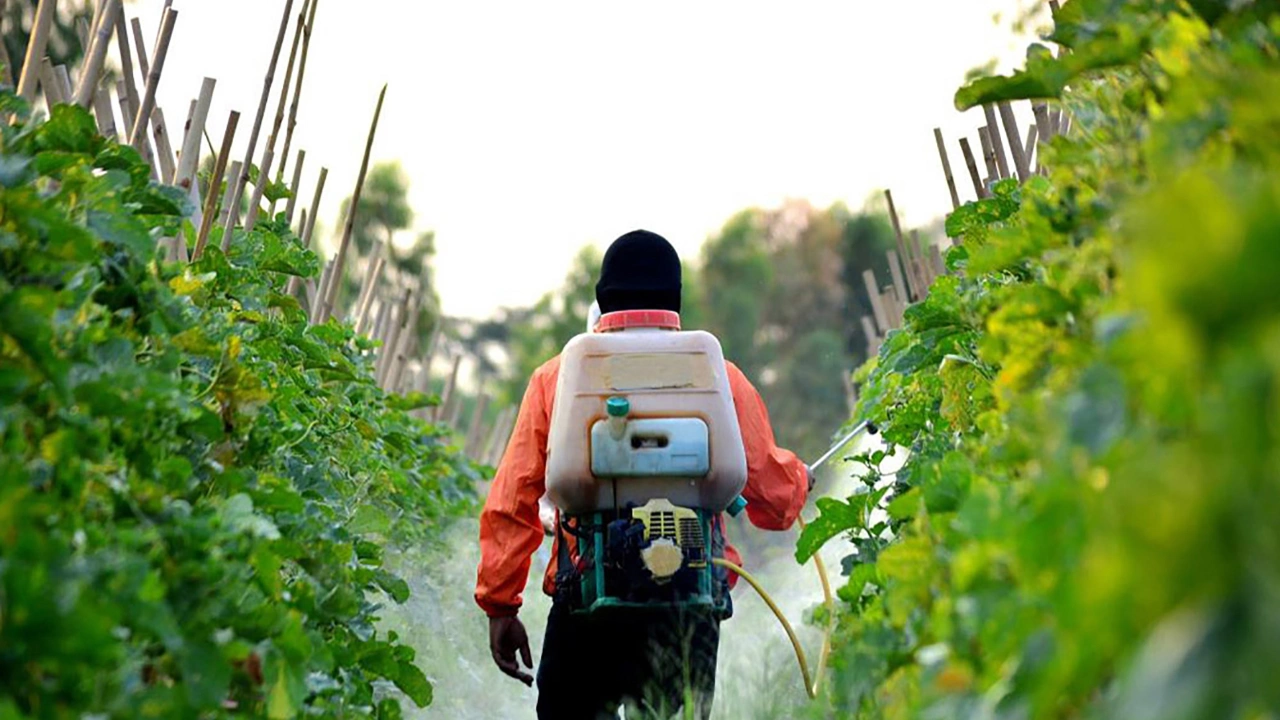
(617, 407)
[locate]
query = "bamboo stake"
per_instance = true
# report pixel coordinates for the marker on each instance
(153, 76)
(215, 183)
(186, 125)
(1033, 134)
(1046, 126)
(309, 224)
(935, 256)
(32, 65)
(97, 54)
(420, 382)
(52, 88)
(455, 413)
(309, 289)
(136, 101)
(892, 307)
(267, 82)
(355, 202)
(362, 312)
(407, 333)
(380, 321)
(126, 69)
(447, 397)
(877, 307)
(490, 445)
(227, 213)
(297, 91)
(873, 338)
(477, 418)
(260, 187)
(391, 343)
(504, 440)
(898, 285)
(365, 286)
(314, 309)
(141, 45)
(167, 4)
(997, 145)
(83, 32)
(105, 115)
(189, 160)
(164, 151)
(264, 172)
(1015, 140)
(491, 437)
(63, 78)
(924, 269)
(988, 157)
(913, 284)
(126, 110)
(946, 169)
(972, 165)
(295, 186)
(434, 343)
(390, 325)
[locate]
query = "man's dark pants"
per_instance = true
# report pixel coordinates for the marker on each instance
(649, 660)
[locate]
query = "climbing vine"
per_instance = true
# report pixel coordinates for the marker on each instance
(1091, 402)
(196, 487)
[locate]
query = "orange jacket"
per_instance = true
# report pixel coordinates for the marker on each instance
(511, 531)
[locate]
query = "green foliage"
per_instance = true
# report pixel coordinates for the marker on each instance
(196, 487)
(1085, 525)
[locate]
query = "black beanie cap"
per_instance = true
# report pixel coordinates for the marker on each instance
(640, 271)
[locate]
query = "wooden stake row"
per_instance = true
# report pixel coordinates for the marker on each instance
(398, 365)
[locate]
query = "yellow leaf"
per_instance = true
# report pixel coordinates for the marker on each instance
(188, 284)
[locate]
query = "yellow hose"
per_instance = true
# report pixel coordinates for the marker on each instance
(810, 681)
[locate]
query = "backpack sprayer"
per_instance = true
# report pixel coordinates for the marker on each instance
(644, 453)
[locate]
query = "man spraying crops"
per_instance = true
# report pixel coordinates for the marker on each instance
(636, 602)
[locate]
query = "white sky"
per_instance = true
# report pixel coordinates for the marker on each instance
(531, 129)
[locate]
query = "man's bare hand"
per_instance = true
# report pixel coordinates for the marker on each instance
(506, 636)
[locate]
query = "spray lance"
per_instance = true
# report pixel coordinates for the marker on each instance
(810, 680)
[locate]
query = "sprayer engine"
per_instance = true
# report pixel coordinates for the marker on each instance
(653, 555)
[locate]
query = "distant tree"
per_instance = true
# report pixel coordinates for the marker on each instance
(383, 214)
(384, 208)
(866, 239)
(734, 281)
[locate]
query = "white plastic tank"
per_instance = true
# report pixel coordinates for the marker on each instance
(643, 411)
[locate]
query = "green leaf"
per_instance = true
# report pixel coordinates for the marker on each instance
(369, 519)
(121, 230)
(69, 129)
(25, 316)
(414, 683)
(287, 689)
(393, 585)
(206, 674)
(15, 170)
(862, 574)
(835, 517)
(238, 516)
(276, 191)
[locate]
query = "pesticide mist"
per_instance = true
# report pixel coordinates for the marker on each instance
(758, 677)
